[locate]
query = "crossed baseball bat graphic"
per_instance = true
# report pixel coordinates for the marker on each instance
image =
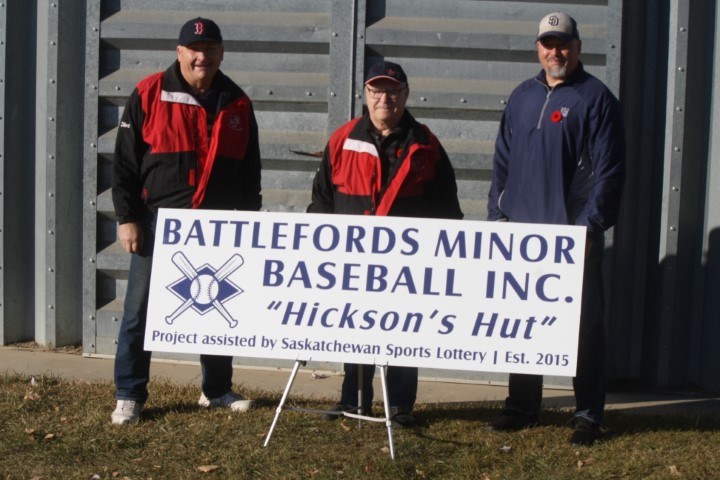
(184, 265)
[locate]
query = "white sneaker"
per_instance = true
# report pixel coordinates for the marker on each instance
(127, 412)
(231, 400)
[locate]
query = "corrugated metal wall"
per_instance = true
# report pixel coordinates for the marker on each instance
(707, 360)
(16, 173)
(302, 62)
(664, 320)
(43, 62)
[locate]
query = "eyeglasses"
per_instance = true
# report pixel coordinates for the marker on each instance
(392, 93)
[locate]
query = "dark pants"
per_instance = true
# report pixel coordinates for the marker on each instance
(132, 362)
(402, 385)
(525, 391)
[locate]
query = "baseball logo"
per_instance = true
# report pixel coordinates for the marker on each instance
(204, 289)
(199, 27)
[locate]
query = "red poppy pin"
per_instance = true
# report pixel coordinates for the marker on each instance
(556, 116)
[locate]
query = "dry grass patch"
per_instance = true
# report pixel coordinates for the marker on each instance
(56, 429)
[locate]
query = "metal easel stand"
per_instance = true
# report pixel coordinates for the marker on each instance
(360, 416)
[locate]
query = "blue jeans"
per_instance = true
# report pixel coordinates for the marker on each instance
(525, 391)
(132, 361)
(402, 385)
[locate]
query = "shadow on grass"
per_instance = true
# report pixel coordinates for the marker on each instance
(688, 414)
(160, 412)
(260, 402)
(617, 424)
(481, 412)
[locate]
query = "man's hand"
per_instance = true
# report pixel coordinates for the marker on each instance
(130, 236)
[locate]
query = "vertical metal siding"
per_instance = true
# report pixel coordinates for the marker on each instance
(643, 75)
(58, 174)
(17, 96)
(45, 160)
(708, 371)
(91, 160)
(3, 53)
(697, 138)
(663, 330)
(672, 268)
(66, 205)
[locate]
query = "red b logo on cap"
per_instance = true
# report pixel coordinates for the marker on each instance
(199, 27)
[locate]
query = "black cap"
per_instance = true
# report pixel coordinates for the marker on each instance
(389, 70)
(199, 30)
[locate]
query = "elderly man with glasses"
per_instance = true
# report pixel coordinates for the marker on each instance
(384, 163)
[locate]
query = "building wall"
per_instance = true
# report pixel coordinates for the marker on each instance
(302, 62)
(16, 172)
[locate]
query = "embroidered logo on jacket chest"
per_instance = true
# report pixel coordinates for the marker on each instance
(419, 162)
(235, 123)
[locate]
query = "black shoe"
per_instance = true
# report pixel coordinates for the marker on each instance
(510, 421)
(340, 408)
(586, 432)
(401, 417)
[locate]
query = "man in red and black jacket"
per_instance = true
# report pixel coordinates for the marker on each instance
(187, 139)
(384, 163)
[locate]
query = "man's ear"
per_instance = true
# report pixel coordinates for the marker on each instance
(177, 50)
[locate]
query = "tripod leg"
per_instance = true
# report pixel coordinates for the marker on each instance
(386, 403)
(283, 399)
(361, 373)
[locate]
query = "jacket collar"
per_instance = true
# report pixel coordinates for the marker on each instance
(576, 76)
(408, 123)
(173, 82)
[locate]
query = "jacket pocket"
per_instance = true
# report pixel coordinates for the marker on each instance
(168, 179)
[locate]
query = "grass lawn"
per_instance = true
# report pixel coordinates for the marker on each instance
(52, 428)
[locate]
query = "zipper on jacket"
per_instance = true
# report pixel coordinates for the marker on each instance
(198, 148)
(547, 100)
(373, 193)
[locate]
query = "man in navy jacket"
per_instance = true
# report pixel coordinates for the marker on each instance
(559, 159)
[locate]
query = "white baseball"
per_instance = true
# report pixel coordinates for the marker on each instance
(204, 289)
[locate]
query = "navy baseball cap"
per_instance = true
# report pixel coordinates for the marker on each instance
(199, 30)
(391, 71)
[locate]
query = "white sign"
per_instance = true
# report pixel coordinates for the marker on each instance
(449, 294)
